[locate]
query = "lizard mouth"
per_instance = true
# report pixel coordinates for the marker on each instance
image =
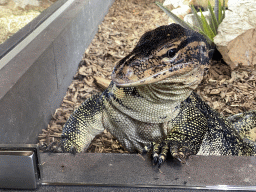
(132, 80)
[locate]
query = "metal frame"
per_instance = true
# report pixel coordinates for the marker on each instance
(20, 166)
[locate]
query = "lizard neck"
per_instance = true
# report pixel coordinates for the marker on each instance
(158, 102)
(176, 88)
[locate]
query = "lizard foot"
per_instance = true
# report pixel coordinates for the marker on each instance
(160, 150)
(54, 147)
(67, 146)
(59, 147)
(180, 153)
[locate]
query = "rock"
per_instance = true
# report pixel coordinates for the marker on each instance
(235, 39)
(173, 4)
(24, 3)
(178, 7)
(168, 4)
(177, 3)
(181, 12)
(204, 3)
(241, 50)
(2, 2)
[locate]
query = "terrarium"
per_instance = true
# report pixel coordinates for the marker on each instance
(66, 56)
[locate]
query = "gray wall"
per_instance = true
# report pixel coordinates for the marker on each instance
(34, 82)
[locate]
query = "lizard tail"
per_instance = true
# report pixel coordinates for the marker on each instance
(245, 125)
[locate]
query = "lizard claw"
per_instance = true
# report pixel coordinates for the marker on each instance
(73, 150)
(161, 160)
(180, 158)
(180, 153)
(159, 152)
(155, 158)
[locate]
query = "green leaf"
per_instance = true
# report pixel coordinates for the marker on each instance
(213, 19)
(198, 19)
(211, 22)
(204, 34)
(206, 28)
(223, 12)
(216, 9)
(174, 17)
(220, 11)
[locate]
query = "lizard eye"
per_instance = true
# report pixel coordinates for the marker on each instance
(171, 52)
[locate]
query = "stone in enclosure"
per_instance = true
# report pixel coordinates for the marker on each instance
(2, 2)
(24, 3)
(235, 39)
(191, 19)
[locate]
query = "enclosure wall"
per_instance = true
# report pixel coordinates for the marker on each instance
(34, 82)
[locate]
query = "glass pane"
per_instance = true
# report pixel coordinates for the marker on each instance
(222, 88)
(15, 14)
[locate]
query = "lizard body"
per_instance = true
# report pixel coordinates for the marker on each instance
(150, 103)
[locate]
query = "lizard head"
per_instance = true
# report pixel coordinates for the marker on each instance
(164, 52)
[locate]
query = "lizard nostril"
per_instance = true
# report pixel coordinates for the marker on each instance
(129, 73)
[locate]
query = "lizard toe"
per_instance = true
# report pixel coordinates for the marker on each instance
(155, 158)
(160, 151)
(180, 153)
(54, 147)
(161, 160)
(147, 148)
(180, 156)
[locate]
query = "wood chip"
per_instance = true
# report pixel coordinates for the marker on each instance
(102, 82)
(214, 91)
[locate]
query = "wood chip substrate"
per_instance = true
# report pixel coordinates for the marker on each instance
(229, 92)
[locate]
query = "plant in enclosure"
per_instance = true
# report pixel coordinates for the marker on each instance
(208, 30)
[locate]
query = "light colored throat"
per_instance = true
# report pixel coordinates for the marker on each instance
(175, 88)
(156, 102)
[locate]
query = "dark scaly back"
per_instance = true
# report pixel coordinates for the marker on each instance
(161, 53)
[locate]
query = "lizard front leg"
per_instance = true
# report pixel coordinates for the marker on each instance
(83, 125)
(185, 136)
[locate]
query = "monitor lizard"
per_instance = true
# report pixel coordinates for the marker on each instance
(150, 103)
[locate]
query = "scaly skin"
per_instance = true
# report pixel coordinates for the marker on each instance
(200, 130)
(150, 103)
